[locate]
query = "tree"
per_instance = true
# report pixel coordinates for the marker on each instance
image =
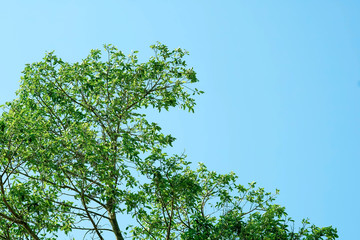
(77, 151)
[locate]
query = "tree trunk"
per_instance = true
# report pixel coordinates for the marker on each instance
(115, 226)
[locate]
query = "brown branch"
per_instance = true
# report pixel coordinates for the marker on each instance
(19, 220)
(62, 186)
(89, 216)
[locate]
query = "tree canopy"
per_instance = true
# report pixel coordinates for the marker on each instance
(77, 152)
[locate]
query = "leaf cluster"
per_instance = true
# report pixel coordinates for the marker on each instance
(77, 151)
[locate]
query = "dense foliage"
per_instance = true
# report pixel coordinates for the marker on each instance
(77, 152)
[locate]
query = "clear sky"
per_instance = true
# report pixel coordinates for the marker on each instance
(281, 81)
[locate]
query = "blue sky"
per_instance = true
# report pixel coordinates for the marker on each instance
(281, 81)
